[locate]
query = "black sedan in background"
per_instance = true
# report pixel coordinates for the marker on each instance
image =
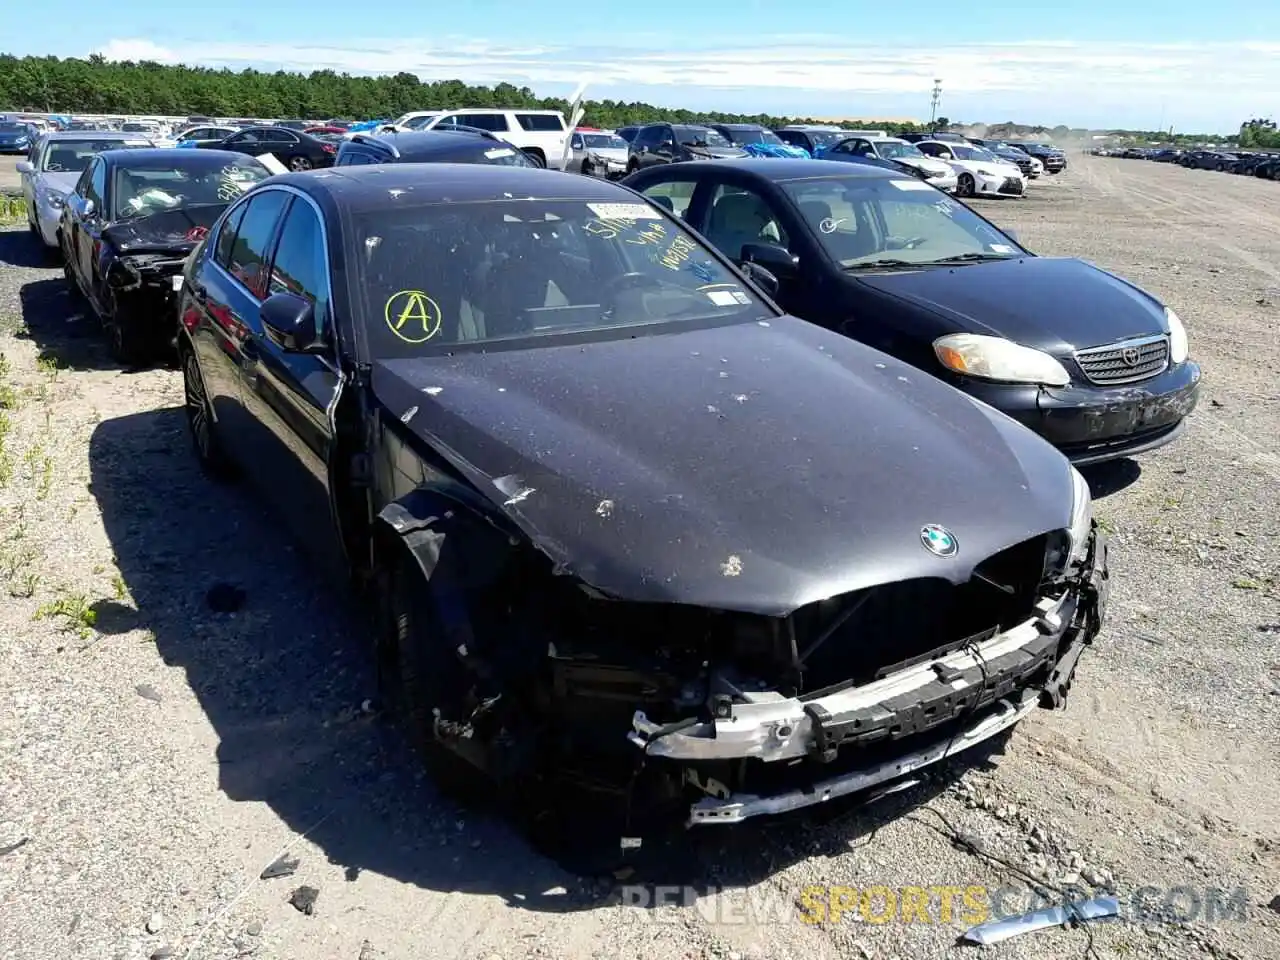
(128, 225)
(608, 502)
(1088, 360)
(296, 150)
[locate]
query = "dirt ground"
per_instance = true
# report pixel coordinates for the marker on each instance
(155, 756)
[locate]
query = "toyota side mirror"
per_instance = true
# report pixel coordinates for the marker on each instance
(289, 322)
(778, 260)
(24, 166)
(87, 208)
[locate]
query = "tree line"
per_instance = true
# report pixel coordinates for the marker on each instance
(96, 85)
(99, 86)
(1259, 132)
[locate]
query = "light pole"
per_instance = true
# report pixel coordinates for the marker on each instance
(937, 96)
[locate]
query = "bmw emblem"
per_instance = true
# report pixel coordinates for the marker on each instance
(939, 541)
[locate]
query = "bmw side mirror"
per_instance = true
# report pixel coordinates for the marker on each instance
(289, 322)
(24, 166)
(762, 278)
(779, 261)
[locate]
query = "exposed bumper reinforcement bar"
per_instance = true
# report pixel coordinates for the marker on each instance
(712, 810)
(771, 727)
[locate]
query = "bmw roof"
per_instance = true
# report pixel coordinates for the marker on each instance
(374, 186)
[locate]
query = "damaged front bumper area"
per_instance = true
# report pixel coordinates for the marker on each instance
(765, 753)
(143, 289)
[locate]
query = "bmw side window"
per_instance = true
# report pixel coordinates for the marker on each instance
(97, 185)
(675, 195)
(300, 265)
(227, 236)
(249, 254)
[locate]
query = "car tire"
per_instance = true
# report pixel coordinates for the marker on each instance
(299, 164)
(128, 347)
(200, 422)
(414, 668)
(965, 185)
(74, 293)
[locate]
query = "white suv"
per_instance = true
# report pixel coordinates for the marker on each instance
(541, 134)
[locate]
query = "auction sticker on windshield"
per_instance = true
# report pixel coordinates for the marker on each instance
(624, 211)
(911, 185)
(499, 152)
(1000, 248)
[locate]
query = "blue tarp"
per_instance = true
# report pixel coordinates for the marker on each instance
(364, 125)
(775, 150)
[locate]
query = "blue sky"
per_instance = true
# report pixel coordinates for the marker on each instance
(1084, 63)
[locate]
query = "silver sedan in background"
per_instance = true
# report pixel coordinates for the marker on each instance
(53, 166)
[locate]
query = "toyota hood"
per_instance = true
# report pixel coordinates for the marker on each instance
(755, 467)
(1053, 304)
(58, 182)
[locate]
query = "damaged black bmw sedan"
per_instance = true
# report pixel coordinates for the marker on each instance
(127, 227)
(620, 516)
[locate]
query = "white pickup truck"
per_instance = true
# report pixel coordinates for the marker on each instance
(541, 134)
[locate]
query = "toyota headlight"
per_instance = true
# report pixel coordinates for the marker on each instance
(994, 358)
(1081, 517)
(1177, 338)
(53, 199)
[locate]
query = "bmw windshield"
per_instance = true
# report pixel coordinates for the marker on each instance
(146, 184)
(894, 223)
(439, 278)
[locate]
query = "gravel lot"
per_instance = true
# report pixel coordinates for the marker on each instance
(156, 756)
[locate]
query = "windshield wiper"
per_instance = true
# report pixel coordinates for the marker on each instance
(973, 258)
(885, 262)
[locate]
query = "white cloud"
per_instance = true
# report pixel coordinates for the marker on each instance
(1213, 79)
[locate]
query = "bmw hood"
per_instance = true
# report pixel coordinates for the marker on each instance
(755, 467)
(1049, 303)
(175, 231)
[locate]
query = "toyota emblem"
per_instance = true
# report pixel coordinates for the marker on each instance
(1130, 356)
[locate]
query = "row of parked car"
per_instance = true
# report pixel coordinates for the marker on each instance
(1248, 163)
(756, 469)
(948, 161)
